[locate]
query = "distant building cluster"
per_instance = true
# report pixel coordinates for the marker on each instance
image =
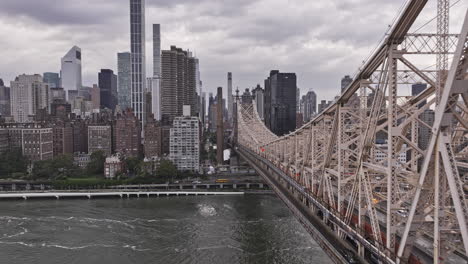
(124, 113)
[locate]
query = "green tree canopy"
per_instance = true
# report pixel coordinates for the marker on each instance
(133, 165)
(166, 170)
(96, 163)
(13, 163)
(59, 167)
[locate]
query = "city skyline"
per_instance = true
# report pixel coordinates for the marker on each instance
(266, 44)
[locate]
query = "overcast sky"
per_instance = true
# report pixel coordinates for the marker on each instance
(319, 40)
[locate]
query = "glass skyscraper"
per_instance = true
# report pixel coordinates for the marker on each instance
(52, 78)
(137, 48)
(124, 73)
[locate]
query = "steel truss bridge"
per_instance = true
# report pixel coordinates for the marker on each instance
(355, 194)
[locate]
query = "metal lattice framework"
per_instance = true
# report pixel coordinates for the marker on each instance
(385, 169)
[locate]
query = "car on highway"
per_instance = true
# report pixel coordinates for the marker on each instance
(196, 182)
(403, 212)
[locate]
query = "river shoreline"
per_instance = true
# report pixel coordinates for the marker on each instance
(92, 194)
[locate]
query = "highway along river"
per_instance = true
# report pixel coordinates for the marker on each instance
(196, 229)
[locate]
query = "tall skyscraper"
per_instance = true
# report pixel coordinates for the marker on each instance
(178, 82)
(427, 116)
(258, 94)
(203, 108)
(298, 100)
(156, 50)
(28, 94)
(137, 46)
(219, 127)
(309, 105)
(96, 97)
(190, 91)
(198, 88)
(156, 80)
(345, 81)
(52, 78)
(229, 95)
(124, 80)
(280, 102)
(108, 89)
(323, 105)
(4, 99)
(70, 72)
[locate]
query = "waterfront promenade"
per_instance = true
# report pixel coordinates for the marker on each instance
(110, 194)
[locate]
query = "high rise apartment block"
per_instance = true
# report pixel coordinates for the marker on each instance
(4, 141)
(100, 139)
(35, 141)
(309, 105)
(96, 97)
(185, 143)
(153, 139)
(127, 134)
(62, 133)
(323, 105)
(5, 108)
(259, 97)
(80, 136)
(28, 93)
(178, 82)
(345, 81)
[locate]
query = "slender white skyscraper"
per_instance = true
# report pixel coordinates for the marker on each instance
(70, 72)
(156, 80)
(229, 96)
(137, 48)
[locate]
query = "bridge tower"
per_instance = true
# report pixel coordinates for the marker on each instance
(384, 170)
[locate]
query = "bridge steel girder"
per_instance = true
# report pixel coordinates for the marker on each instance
(369, 161)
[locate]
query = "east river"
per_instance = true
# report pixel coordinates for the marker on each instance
(202, 229)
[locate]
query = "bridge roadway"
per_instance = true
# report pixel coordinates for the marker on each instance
(291, 193)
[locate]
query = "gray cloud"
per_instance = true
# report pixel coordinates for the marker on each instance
(59, 12)
(320, 40)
